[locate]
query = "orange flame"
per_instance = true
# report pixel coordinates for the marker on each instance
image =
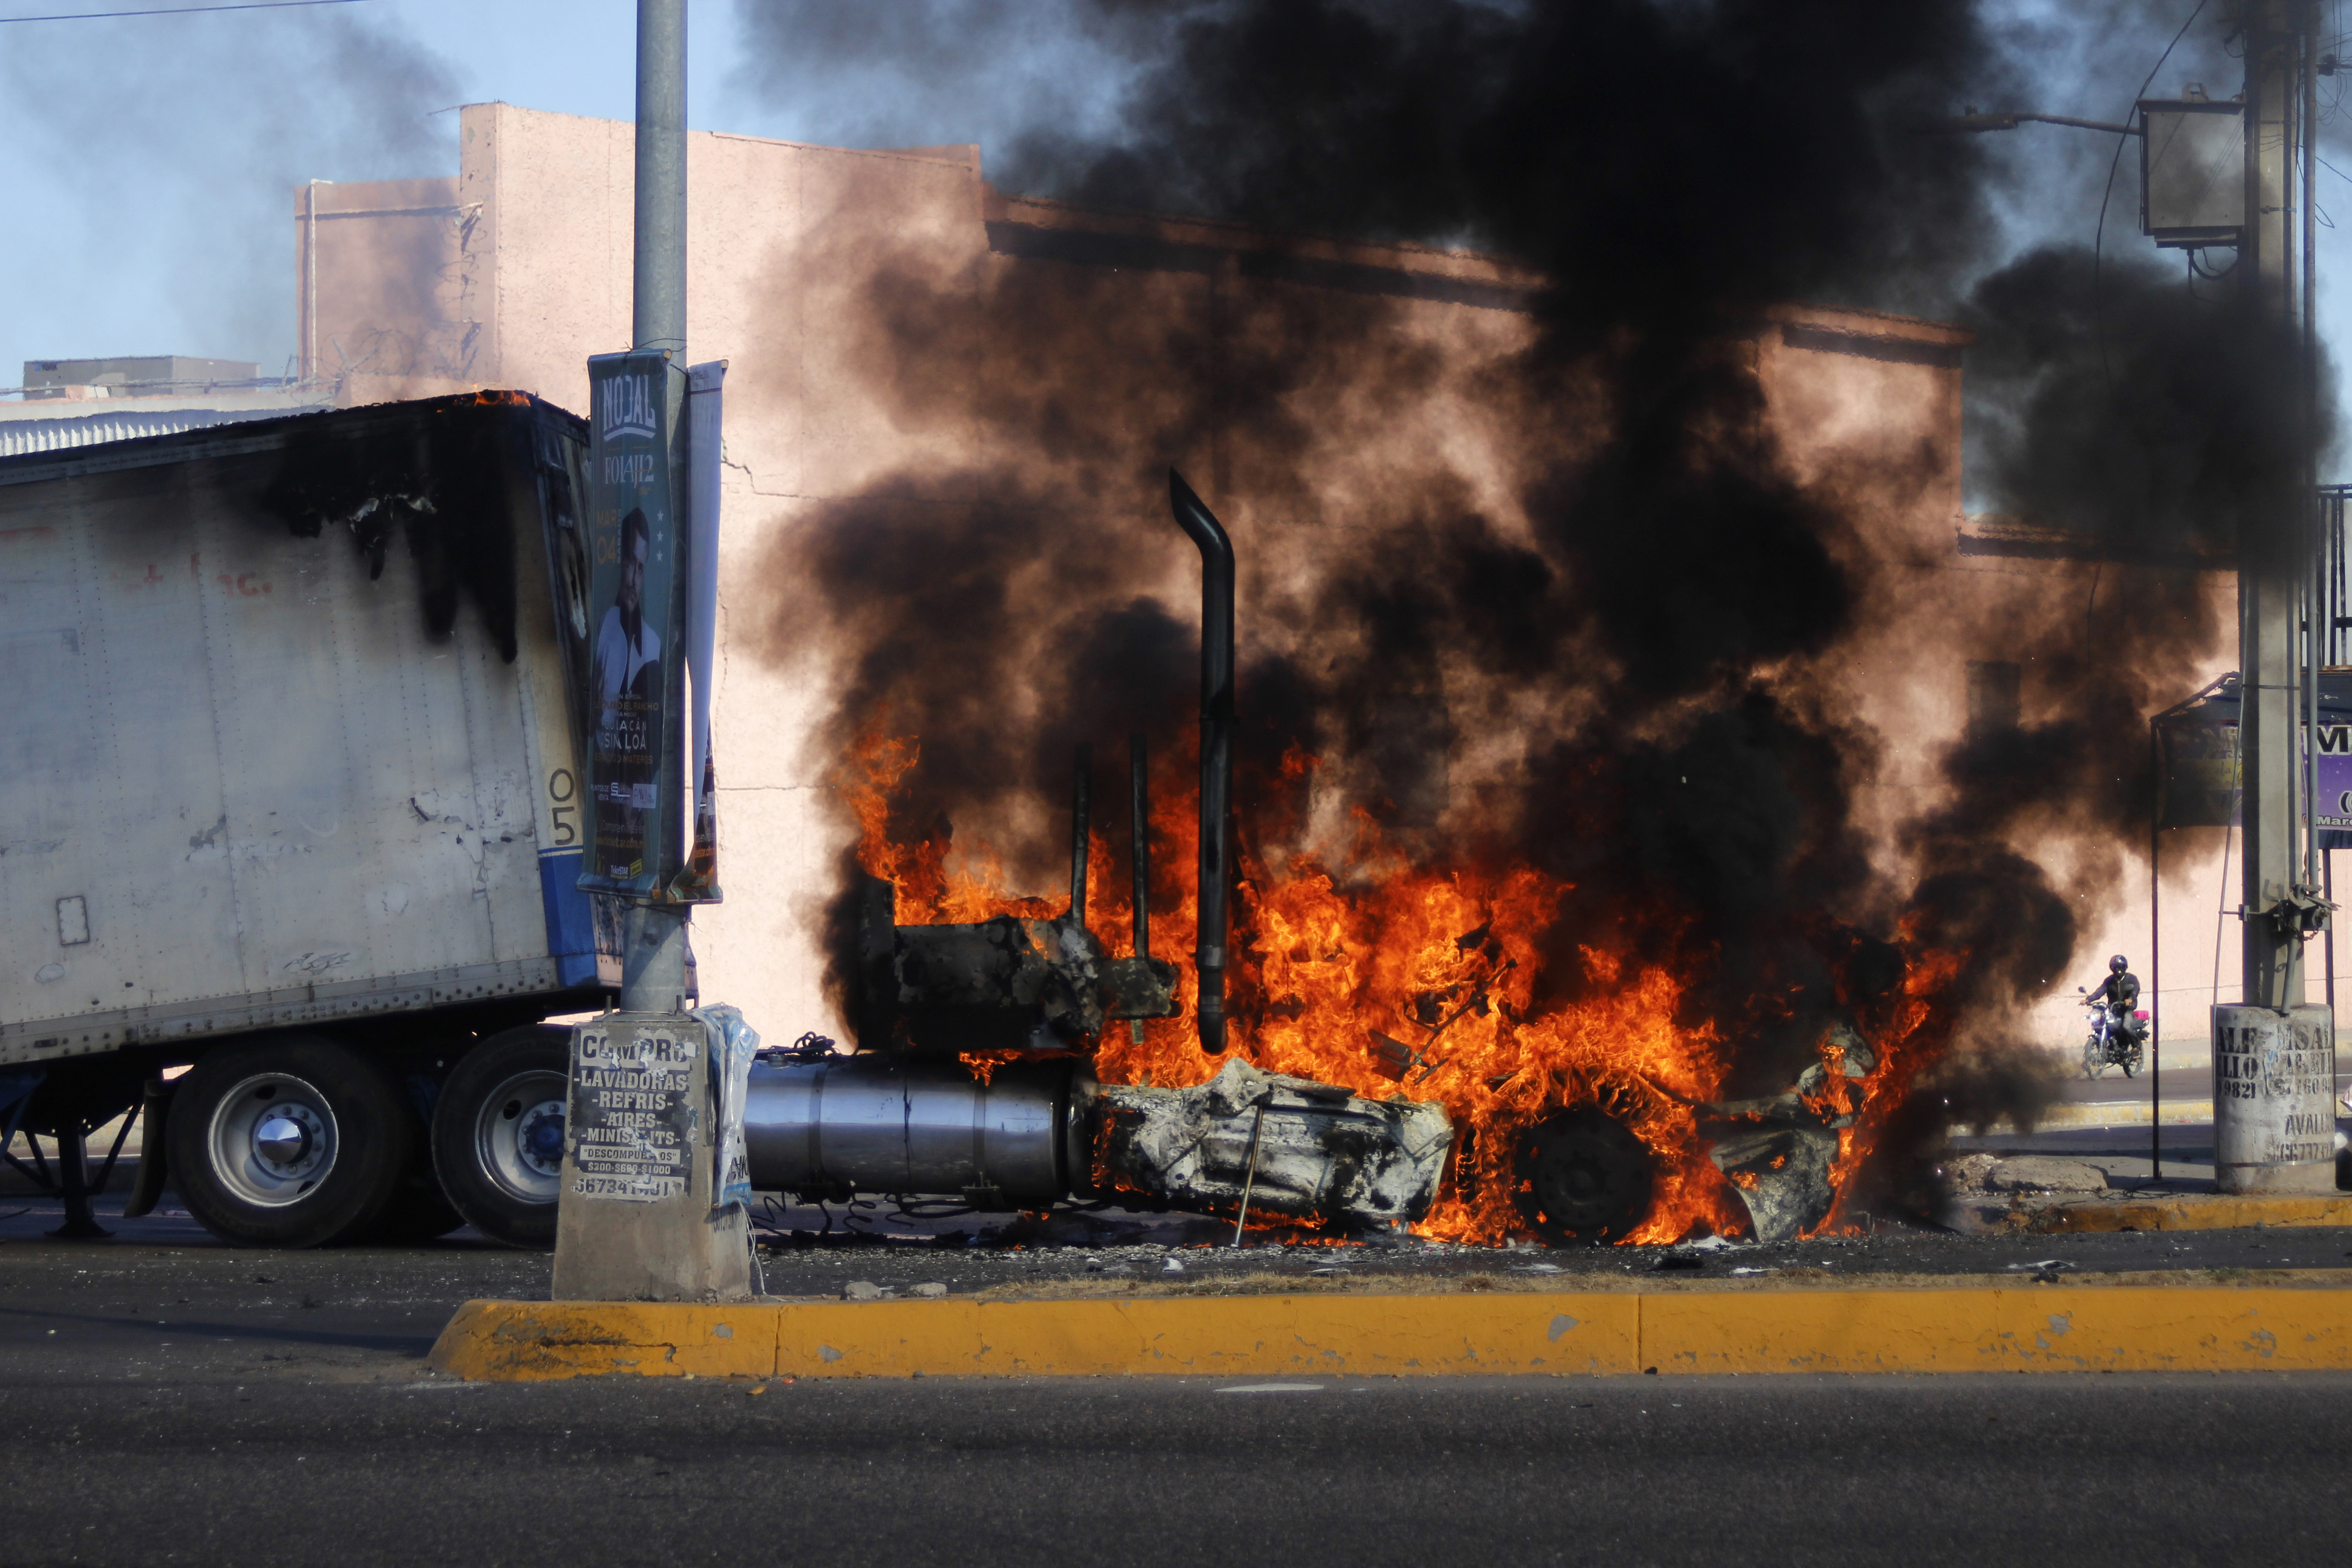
(1448, 964)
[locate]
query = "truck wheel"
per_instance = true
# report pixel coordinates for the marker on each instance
(497, 1133)
(289, 1143)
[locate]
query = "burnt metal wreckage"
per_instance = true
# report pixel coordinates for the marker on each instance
(1582, 1176)
(910, 1116)
(906, 1115)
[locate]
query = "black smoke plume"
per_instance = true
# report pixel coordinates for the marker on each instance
(1647, 648)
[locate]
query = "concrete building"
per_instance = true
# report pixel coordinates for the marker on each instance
(79, 403)
(813, 269)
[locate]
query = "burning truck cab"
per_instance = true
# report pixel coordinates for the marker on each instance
(974, 1078)
(1527, 832)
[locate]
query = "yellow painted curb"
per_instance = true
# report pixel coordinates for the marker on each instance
(1976, 1328)
(521, 1340)
(2218, 1211)
(2158, 1328)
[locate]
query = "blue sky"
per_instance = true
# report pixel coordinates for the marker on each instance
(152, 161)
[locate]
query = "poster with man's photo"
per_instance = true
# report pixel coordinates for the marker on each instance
(636, 669)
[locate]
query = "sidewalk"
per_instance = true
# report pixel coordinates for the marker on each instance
(2086, 1180)
(2158, 1209)
(2111, 1099)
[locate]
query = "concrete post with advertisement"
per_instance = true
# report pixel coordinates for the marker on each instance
(652, 1203)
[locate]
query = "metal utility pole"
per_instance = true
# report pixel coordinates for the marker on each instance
(2268, 575)
(658, 323)
(657, 955)
(2274, 1055)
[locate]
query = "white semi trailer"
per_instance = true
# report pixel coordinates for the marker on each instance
(289, 799)
(291, 838)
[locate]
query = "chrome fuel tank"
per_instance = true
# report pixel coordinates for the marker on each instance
(888, 1124)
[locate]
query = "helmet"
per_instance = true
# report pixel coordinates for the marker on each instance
(2117, 965)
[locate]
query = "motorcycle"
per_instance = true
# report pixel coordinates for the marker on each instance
(2109, 1046)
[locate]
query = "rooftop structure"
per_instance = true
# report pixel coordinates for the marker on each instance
(139, 376)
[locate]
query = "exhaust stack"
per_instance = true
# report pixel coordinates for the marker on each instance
(1216, 750)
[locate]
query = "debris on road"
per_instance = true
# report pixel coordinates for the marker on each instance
(1298, 1148)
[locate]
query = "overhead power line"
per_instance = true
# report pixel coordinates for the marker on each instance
(176, 10)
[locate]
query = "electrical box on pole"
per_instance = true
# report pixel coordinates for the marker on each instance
(2192, 171)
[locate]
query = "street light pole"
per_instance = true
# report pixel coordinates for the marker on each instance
(655, 954)
(2269, 576)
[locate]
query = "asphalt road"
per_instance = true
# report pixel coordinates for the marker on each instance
(2180, 1085)
(168, 1399)
(2040, 1470)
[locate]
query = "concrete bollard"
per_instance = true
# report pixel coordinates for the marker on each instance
(634, 1217)
(2274, 1100)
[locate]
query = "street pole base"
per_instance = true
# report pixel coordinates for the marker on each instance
(2274, 1098)
(634, 1219)
(2305, 1180)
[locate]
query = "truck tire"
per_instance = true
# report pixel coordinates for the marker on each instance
(298, 1142)
(497, 1133)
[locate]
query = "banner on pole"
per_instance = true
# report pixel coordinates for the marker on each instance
(2199, 786)
(635, 594)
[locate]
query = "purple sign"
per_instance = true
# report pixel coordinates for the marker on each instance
(2332, 804)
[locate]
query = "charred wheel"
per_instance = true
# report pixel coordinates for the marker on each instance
(497, 1133)
(295, 1142)
(1584, 1177)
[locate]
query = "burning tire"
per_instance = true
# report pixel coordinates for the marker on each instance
(1584, 1177)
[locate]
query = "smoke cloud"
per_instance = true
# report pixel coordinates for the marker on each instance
(1607, 648)
(180, 146)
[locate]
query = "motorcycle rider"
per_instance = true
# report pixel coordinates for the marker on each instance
(2120, 992)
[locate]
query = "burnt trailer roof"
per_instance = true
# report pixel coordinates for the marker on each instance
(441, 472)
(370, 421)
